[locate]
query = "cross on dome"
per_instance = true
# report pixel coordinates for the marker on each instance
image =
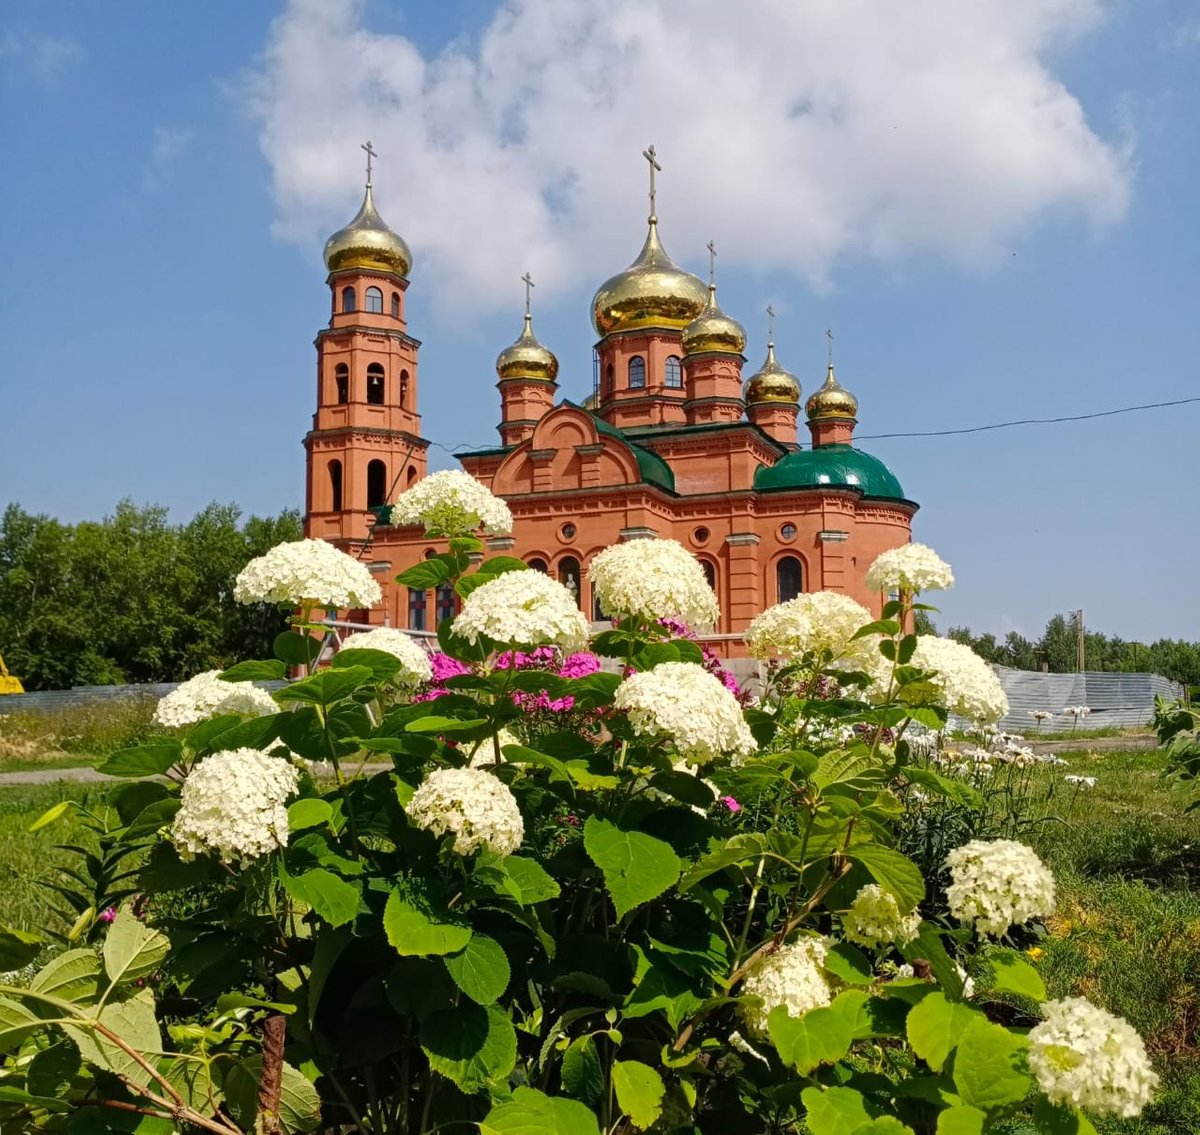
(712, 262)
(652, 158)
(371, 153)
(528, 281)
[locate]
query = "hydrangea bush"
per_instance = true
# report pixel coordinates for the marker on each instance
(522, 889)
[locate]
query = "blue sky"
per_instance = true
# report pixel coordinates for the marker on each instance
(994, 211)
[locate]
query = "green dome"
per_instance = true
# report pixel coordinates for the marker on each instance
(836, 466)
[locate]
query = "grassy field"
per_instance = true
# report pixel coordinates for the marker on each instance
(70, 738)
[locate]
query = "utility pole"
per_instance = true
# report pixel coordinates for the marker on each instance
(1080, 648)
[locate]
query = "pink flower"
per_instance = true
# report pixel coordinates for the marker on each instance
(446, 667)
(731, 803)
(109, 914)
(579, 665)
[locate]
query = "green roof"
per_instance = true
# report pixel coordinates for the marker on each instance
(838, 466)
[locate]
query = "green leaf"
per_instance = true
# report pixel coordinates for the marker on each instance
(894, 872)
(498, 565)
(327, 687)
(662, 989)
(72, 976)
(16, 1023)
(529, 1112)
(739, 849)
(850, 964)
(820, 1036)
(18, 948)
(651, 654)
(935, 1025)
(227, 1002)
(927, 946)
(988, 1066)
(435, 724)
(1013, 974)
(142, 760)
(636, 867)
(884, 1125)
(296, 649)
(524, 880)
(961, 1121)
(413, 933)
(1059, 1119)
(871, 1017)
(474, 1046)
(52, 1070)
(429, 573)
(196, 1081)
(956, 790)
(51, 814)
(311, 812)
(299, 1103)
(582, 1075)
(383, 666)
(132, 1020)
(334, 900)
(480, 969)
(132, 798)
(833, 1111)
(265, 670)
(640, 1091)
(853, 770)
(684, 787)
(131, 949)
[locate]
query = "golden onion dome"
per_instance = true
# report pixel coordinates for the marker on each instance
(771, 383)
(367, 242)
(713, 330)
(527, 358)
(652, 292)
(592, 402)
(831, 400)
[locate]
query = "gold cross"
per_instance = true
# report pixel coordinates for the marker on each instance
(770, 324)
(652, 158)
(712, 263)
(829, 336)
(528, 281)
(370, 154)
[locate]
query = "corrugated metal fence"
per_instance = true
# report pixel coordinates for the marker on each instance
(47, 701)
(1120, 700)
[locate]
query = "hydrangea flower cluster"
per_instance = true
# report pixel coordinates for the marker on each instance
(452, 503)
(206, 696)
(234, 803)
(483, 754)
(968, 686)
(1085, 1056)
(813, 623)
(307, 573)
(998, 883)
(792, 976)
(685, 703)
(415, 667)
(523, 607)
(874, 919)
(475, 805)
(911, 567)
(653, 579)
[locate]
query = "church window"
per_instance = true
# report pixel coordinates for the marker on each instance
(374, 301)
(538, 564)
(375, 384)
(404, 390)
(568, 531)
(637, 372)
(570, 577)
(445, 602)
(348, 302)
(787, 531)
(416, 610)
(789, 579)
(376, 484)
(341, 379)
(674, 372)
(411, 476)
(335, 485)
(608, 374)
(395, 305)
(710, 573)
(701, 535)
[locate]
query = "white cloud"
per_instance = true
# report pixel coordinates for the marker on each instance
(167, 147)
(798, 135)
(46, 57)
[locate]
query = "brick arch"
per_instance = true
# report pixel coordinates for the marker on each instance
(770, 589)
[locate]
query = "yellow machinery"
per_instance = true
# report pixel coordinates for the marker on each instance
(8, 683)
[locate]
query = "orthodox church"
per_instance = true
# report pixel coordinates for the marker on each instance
(672, 442)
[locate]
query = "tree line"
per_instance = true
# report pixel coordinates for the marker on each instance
(132, 598)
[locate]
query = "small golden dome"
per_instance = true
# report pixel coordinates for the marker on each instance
(832, 400)
(652, 292)
(772, 383)
(592, 402)
(527, 358)
(713, 330)
(367, 242)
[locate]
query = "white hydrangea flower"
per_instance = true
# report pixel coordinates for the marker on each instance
(234, 803)
(911, 567)
(523, 608)
(475, 805)
(811, 623)
(307, 572)
(968, 686)
(791, 976)
(691, 707)
(452, 503)
(415, 667)
(874, 919)
(1087, 1057)
(653, 579)
(483, 753)
(206, 696)
(998, 883)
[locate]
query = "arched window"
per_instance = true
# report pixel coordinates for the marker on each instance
(374, 300)
(538, 564)
(395, 305)
(674, 372)
(341, 379)
(599, 615)
(376, 484)
(445, 602)
(348, 299)
(608, 374)
(375, 384)
(335, 485)
(710, 573)
(789, 581)
(411, 476)
(416, 610)
(404, 390)
(637, 372)
(571, 578)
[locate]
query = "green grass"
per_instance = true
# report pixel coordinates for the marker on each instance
(74, 737)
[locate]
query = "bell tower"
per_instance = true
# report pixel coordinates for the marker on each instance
(365, 445)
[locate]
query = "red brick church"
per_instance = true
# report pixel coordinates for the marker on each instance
(672, 442)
